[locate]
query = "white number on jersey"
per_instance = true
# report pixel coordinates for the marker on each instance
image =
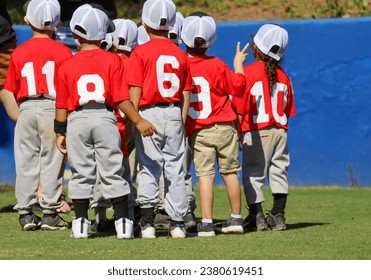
(90, 88)
(168, 83)
(202, 96)
(28, 72)
(122, 114)
(262, 116)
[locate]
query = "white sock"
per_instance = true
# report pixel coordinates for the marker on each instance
(209, 221)
(236, 216)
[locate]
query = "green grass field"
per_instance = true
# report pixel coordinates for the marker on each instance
(324, 223)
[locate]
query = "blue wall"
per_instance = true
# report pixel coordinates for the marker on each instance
(329, 62)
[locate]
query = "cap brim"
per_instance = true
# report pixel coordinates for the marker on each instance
(25, 6)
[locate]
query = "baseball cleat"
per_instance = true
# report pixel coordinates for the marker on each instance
(147, 231)
(161, 219)
(190, 220)
(53, 222)
(276, 222)
(255, 223)
(29, 221)
(177, 229)
(124, 228)
(80, 228)
(232, 225)
(205, 229)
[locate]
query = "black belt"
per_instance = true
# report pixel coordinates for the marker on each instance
(40, 97)
(167, 104)
(80, 108)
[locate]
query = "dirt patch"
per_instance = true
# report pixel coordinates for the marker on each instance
(242, 10)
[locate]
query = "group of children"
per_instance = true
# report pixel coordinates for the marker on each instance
(176, 106)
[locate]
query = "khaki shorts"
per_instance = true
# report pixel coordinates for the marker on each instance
(218, 142)
(4, 61)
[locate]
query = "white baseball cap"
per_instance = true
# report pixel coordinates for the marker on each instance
(200, 25)
(143, 36)
(155, 10)
(125, 35)
(270, 35)
(175, 33)
(43, 14)
(106, 43)
(90, 22)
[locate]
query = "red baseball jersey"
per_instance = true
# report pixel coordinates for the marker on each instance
(213, 83)
(91, 76)
(161, 69)
(259, 107)
(33, 68)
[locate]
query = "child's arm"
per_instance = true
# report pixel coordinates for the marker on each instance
(185, 104)
(240, 58)
(60, 127)
(10, 104)
(135, 93)
(145, 127)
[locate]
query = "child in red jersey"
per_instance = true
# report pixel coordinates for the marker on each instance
(210, 121)
(90, 85)
(124, 41)
(263, 112)
(161, 217)
(160, 82)
(31, 77)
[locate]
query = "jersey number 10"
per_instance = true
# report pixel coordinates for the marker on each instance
(262, 116)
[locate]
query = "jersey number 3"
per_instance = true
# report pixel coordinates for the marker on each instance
(200, 96)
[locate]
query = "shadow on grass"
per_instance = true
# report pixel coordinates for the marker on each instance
(7, 209)
(304, 225)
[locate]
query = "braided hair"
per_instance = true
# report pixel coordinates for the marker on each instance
(270, 64)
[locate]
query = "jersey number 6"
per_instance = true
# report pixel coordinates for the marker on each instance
(168, 83)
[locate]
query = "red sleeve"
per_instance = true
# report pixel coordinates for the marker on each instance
(234, 83)
(120, 91)
(134, 77)
(62, 95)
(188, 81)
(290, 109)
(12, 82)
(239, 101)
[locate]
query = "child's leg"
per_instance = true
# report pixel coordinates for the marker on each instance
(235, 223)
(234, 191)
(189, 219)
(81, 207)
(278, 173)
(206, 186)
(100, 205)
(81, 225)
